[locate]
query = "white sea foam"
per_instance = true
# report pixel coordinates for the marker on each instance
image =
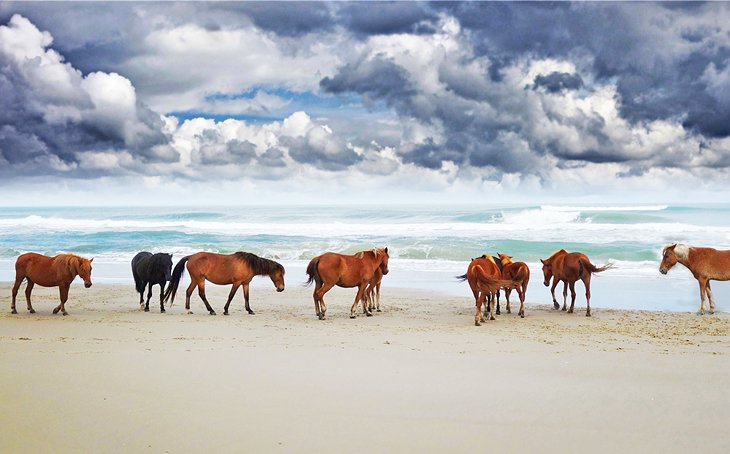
(603, 208)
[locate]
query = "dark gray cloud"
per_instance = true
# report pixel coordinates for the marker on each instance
(321, 149)
(384, 18)
(556, 82)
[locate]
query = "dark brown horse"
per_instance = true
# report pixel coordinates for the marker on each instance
(484, 277)
(569, 267)
(58, 271)
(348, 271)
(705, 264)
(519, 273)
(237, 269)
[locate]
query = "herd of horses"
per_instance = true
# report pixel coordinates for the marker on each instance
(486, 275)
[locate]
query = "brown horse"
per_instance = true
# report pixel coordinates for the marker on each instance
(484, 277)
(238, 269)
(569, 267)
(348, 271)
(372, 292)
(519, 273)
(705, 264)
(58, 271)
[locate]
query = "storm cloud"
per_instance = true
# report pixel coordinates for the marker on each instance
(270, 90)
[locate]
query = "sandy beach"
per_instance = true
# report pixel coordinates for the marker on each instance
(418, 377)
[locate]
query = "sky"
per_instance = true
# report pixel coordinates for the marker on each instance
(363, 103)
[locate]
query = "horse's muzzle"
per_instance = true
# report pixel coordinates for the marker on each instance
(662, 270)
(280, 289)
(547, 283)
(87, 284)
(385, 272)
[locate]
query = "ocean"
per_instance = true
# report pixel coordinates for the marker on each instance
(428, 245)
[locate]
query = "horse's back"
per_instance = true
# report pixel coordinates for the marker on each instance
(516, 271)
(713, 263)
(30, 259)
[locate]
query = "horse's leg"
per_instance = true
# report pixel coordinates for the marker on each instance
(358, 297)
(498, 312)
(709, 297)
(18, 280)
(188, 293)
(319, 299)
(507, 293)
(587, 283)
(141, 299)
(491, 306)
(521, 294)
(149, 297)
(377, 297)
(572, 297)
(28, 289)
(552, 292)
(245, 297)
(232, 293)
(703, 291)
(162, 297)
(479, 315)
(565, 295)
(63, 290)
(201, 294)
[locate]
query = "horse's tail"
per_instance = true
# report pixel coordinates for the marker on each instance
(138, 282)
(586, 265)
(312, 272)
(175, 280)
(461, 278)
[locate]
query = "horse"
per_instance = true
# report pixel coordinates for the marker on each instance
(569, 267)
(238, 269)
(705, 264)
(519, 273)
(485, 281)
(347, 271)
(58, 271)
(372, 292)
(153, 270)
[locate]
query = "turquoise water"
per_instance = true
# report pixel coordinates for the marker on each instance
(420, 239)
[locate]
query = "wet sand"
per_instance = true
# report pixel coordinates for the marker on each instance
(418, 377)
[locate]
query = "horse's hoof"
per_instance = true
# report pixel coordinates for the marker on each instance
(251, 313)
(32, 311)
(190, 312)
(498, 313)
(712, 312)
(15, 312)
(509, 311)
(225, 313)
(492, 318)
(353, 316)
(146, 309)
(321, 316)
(162, 311)
(588, 314)
(522, 315)
(212, 312)
(476, 323)
(556, 306)
(369, 314)
(570, 311)
(378, 310)
(55, 311)
(64, 313)
(141, 307)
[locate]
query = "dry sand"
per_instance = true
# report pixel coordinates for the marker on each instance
(418, 377)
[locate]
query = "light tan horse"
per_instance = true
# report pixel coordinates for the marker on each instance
(483, 276)
(237, 269)
(58, 271)
(705, 264)
(348, 271)
(519, 273)
(570, 267)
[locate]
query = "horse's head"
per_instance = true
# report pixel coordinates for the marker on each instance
(384, 262)
(506, 259)
(83, 269)
(167, 265)
(547, 271)
(277, 277)
(669, 259)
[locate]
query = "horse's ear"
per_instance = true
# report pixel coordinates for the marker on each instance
(542, 261)
(672, 246)
(386, 250)
(92, 259)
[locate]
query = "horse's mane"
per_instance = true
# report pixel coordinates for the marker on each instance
(682, 251)
(66, 258)
(558, 252)
(259, 265)
(375, 251)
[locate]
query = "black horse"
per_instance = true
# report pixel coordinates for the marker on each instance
(153, 270)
